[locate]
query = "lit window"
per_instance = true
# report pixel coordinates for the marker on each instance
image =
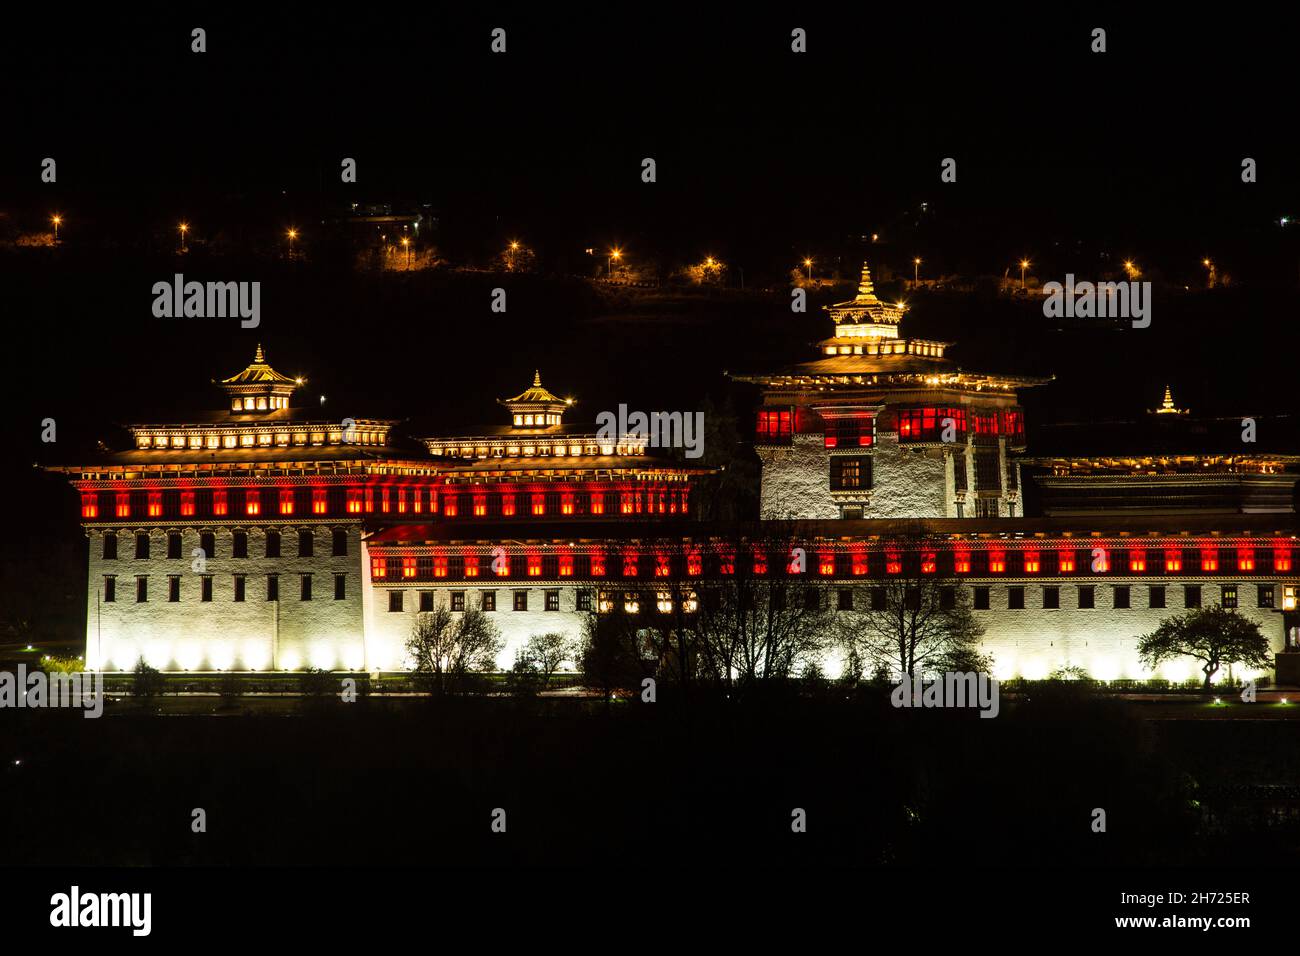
(417, 500)
(664, 602)
(219, 501)
(598, 502)
(826, 564)
(566, 503)
(927, 563)
(893, 563)
(90, 505)
(384, 500)
(123, 509)
(1282, 560)
(631, 604)
(354, 501)
(507, 505)
(694, 563)
(286, 501)
(440, 566)
(401, 501)
(471, 565)
(629, 564)
(408, 567)
(859, 563)
(534, 565)
(597, 563)
(1137, 561)
(370, 499)
(378, 568)
(997, 562)
(1209, 559)
(501, 564)
(760, 562)
(663, 566)
(450, 508)
(155, 504)
(252, 502)
(566, 565)
(961, 562)
(187, 503)
(1173, 561)
(539, 504)
(727, 563)
(625, 504)
(480, 505)
(1067, 562)
(1032, 563)
(1245, 559)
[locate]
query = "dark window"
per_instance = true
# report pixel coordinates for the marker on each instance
(340, 541)
(205, 588)
(273, 587)
(141, 588)
(1265, 595)
(844, 599)
(110, 588)
(851, 512)
(305, 588)
(1016, 598)
(142, 546)
(1087, 597)
(878, 599)
(273, 544)
(584, 600)
(981, 599)
(812, 599)
(394, 601)
(306, 544)
(1122, 597)
(208, 542)
(110, 547)
(239, 587)
(987, 474)
(1052, 598)
(1156, 596)
(340, 587)
(1228, 596)
(457, 600)
(850, 473)
(521, 600)
(239, 544)
(1191, 595)
(947, 598)
(173, 588)
(552, 600)
(173, 546)
(490, 600)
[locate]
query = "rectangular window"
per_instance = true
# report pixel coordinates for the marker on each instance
(173, 588)
(273, 587)
(110, 547)
(775, 425)
(141, 588)
(552, 600)
(1016, 598)
(1192, 595)
(110, 589)
(173, 546)
(339, 540)
(1173, 561)
(1122, 597)
(142, 546)
(1032, 562)
(239, 544)
(304, 587)
(273, 544)
(394, 601)
(489, 602)
(1052, 598)
(1066, 562)
(320, 501)
(208, 544)
(1137, 561)
(1265, 595)
(286, 501)
(997, 562)
(584, 601)
(1281, 560)
(306, 544)
(844, 599)
(340, 587)
(239, 587)
(1209, 559)
(521, 600)
(848, 433)
(457, 600)
(850, 473)
(981, 599)
(1087, 597)
(947, 598)
(1156, 596)
(1245, 559)
(878, 599)
(1228, 595)
(205, 588)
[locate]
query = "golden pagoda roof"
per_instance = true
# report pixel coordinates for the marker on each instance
(866, 305)
(535, 394)
(260, 373)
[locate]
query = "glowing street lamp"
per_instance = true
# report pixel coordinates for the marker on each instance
(514, 247)
(1024, 264)
(184, 228)
(293, 234)
(916, 270)
(609, 264)
(56, 219)
(807, 263)
(406, 244)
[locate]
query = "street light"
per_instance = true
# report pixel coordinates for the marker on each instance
(293, 234)
(56, 219)
(916, 270)
(1024, 264)
(406, 244)
(609, 264)
(184, 229)
(808, 265)
(514, 247)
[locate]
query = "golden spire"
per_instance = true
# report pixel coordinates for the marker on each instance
(258, 357)
(866, 292)
(537, 378)
(1167, 406)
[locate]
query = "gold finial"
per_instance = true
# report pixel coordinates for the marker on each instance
(1167, 405)
(865, 289)
(258, 356)
(537, 379)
